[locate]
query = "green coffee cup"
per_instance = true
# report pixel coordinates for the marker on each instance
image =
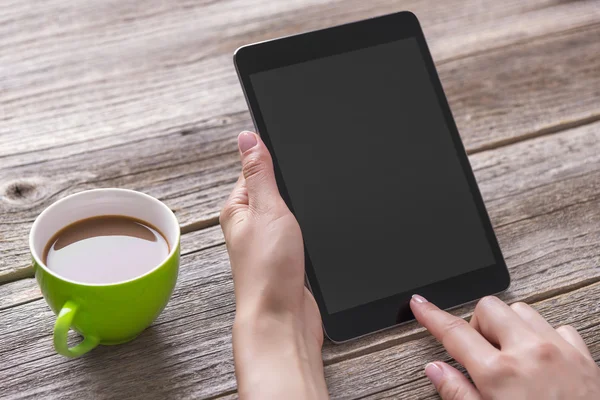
(112, 313)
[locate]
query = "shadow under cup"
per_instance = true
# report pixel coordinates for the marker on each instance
(104, 313)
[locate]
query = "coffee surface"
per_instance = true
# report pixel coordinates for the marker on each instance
(105, 249)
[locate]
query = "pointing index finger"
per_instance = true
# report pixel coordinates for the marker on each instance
(461, 341)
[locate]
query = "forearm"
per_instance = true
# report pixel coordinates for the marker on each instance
(275, 360)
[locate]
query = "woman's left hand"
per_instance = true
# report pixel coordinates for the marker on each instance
(277, 333)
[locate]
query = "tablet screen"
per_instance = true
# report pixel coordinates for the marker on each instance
(371, 172)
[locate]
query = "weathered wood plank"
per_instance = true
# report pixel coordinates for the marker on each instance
(65, 77)
(18, 292)
(190, 343)
(119, 60)
(506, 95)
(497, 97)
(517, 183)
(96, 117)
(397, 372)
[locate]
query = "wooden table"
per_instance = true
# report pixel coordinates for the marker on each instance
(143, 95)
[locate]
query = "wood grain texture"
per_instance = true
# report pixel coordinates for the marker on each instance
(82, 78)
(187, 353)
(397, 372)
(19, 292)
(183, 354)
(98, 94)
(114, 94)
(534, 178)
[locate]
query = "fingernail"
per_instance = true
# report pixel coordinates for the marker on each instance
(246, 141)
(434, 373)
(419, 299)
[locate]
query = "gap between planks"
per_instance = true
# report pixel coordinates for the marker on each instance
(530, 39)
(214, 219)
(563, 125)
(550, 129)
(200, 224)
(547, 131)
(187, 228)
(531, 298)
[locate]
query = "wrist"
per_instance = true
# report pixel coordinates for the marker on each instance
(274, 358)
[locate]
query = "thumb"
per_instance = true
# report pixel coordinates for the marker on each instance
(450, 383)
(257, 168)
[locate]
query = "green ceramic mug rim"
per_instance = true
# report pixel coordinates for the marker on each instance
(36, 224)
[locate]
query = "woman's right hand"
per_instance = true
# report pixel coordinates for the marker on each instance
(510, 353)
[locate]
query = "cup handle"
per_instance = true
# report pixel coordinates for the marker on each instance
(61, 329)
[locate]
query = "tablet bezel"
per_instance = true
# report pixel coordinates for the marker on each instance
(393, 310)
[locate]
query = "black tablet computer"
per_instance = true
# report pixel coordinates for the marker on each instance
(368, 158)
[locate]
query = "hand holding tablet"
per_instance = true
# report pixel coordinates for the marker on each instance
(366, 155)
(368, 158)
(509, 352)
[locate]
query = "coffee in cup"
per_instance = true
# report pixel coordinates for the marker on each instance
(121, 248)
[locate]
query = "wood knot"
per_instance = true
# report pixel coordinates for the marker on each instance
(189, 131)
(22, 191)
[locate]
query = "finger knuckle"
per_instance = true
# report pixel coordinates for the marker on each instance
(253, 166)
(236, 199)
(454, 325)
(567, 329)
(519, 306)
(486, 302)
(226, 213)
(223, 221)
(544, 351)
(230, 222)
(484, 305)
(450, 390)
